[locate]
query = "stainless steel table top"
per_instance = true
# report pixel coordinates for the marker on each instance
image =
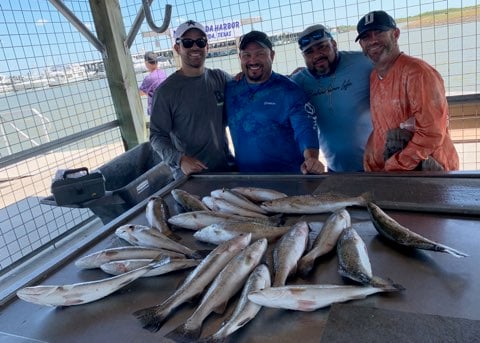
(435, 283)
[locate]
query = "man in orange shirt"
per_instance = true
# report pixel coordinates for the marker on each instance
(402, 87)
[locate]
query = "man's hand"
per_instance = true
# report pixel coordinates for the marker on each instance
(190, 165)
(312, 165)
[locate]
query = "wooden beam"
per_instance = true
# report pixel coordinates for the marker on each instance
(121, 77)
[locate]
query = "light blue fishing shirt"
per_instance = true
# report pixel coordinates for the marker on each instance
(342, 104)
(271, 124)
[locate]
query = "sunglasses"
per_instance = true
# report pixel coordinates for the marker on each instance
(312, 37)
(188, 43)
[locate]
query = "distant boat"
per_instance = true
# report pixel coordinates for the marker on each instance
(5, 84)
(96, 72)
(75, 72)
(21, 83)
(60, 75)
(56, 75)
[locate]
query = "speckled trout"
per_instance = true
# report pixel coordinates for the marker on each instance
(188, 201)
(221, 232)
(245, 310)
(287, 252)
(227, 283)
(148, 237)
(152, 318)
(197, 219)
(237, 199)
(353, 260)
(96, 259)
(311, 297)
(326, 240)
(209, 202)
(311, 204)
(394, 231)
(80, 293)
(165, 265)
(157, 214)
(225, 206)
(257, 194)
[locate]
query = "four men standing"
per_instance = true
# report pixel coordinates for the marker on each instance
(272, 121)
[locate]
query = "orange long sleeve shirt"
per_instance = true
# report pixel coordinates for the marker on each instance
(411, 88)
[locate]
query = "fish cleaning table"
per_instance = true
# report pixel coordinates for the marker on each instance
(440, 289)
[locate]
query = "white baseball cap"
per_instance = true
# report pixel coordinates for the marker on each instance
(188, 25)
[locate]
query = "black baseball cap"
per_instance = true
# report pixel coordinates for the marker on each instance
(375, 20)
(257, 37)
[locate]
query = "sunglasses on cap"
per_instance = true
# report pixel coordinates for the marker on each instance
(188, 42)
(312, 37)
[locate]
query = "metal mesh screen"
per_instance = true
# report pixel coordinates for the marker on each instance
(52, 87)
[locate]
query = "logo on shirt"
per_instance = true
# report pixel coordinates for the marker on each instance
(331, 89)
(310, 109)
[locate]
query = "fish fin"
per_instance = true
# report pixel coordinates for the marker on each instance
(196, 298)
(181, 334)
(386, 285)
(451, 251)
(367, 197)
(276, 219)
(293, 272)
(278, 283)
(305, 266)
(150, 318)
(200, 254)
(220, 309)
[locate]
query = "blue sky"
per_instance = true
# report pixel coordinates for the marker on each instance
(34, 31)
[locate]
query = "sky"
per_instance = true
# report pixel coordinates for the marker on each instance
(34, 31)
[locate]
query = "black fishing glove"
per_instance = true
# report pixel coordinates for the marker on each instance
(397, 140)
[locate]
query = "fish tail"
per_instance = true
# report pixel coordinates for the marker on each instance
(279, 281)
(150, 318)
(305, 266)
(367, 197)
(182, 334)
(448, 250)
(199, 254)
(386, 285)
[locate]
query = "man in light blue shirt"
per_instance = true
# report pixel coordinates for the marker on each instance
(338, 85)
(270, 120)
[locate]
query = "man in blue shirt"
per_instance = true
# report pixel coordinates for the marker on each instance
(338, 85)
(271, 123)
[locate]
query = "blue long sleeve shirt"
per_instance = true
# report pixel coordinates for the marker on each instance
(342, 104)
(271, 124)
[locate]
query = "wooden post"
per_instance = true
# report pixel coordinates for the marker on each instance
(120, 72)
